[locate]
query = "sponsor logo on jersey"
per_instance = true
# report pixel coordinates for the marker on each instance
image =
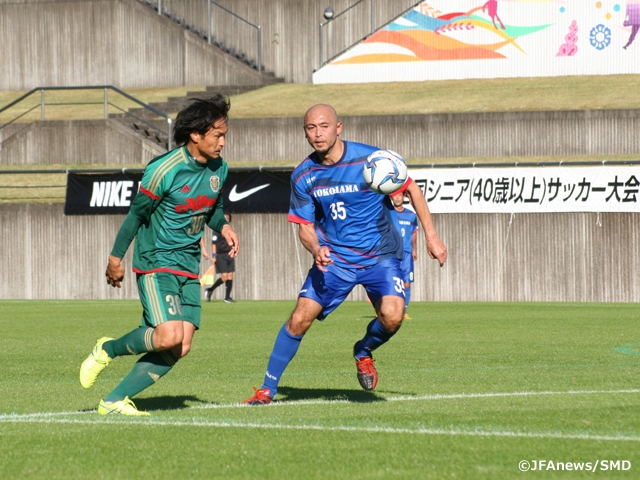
(215, 183)
(185, 189)
(234, 196)
(325, 192)
(201, 202)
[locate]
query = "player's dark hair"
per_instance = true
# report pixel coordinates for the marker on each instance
(199, 117)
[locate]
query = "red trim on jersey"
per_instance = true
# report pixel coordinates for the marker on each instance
(148, 193)
(295, 219)
(167, 270)
(403, 187)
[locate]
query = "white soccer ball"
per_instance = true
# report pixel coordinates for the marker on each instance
(384, 171)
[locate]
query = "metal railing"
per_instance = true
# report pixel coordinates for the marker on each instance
(344, 31)
(229, 33)
(106, 88)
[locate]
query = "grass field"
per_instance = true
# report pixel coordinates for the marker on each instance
(594, 92)
(466, 390)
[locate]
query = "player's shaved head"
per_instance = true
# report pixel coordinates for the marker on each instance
(322, 129)
(321, 109)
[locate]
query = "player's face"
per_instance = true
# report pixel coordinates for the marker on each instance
(322, 129)
(397, 200)
(210, 144)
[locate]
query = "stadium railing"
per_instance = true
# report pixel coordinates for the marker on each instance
(230, 29)
(106, 88)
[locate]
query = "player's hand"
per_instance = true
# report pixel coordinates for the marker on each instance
(414, 254)
(437, 249)
(322, 257)
(115, 271)
(232, 239)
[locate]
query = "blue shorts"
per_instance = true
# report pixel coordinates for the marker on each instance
(407, 267)
(330, 288)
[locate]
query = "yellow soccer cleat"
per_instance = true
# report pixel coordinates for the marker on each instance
(407, 317)
(94, 364)
(121, 407)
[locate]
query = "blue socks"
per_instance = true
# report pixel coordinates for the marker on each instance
(283, 352)
(376, 336)
(407, 297)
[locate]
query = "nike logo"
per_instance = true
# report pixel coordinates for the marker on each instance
(234, 196)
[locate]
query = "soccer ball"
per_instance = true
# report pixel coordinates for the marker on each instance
(384, 171)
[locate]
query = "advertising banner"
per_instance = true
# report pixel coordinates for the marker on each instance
(112, 193)
(530, 190)
(447, 190)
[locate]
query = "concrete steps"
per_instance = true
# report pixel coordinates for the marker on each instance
(146, 120)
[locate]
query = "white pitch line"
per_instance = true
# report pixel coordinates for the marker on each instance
(279, 426)
(406, 398)
(15, 417)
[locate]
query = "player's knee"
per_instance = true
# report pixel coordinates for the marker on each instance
(298, 324)
(391, 315)
(181, 351)
(167, 339)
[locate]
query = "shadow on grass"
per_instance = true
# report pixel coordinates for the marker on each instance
(358, 396)
(166, 402)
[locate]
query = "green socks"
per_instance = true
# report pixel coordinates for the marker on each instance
(135, 342)
(145, 373)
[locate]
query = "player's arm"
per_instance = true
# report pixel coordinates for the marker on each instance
(141, 209)
(435, 246)
(203, 248)
(414, 244)
(214, 252)
(309, 238)
(218, 223)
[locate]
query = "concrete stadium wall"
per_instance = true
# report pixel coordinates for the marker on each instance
(574, 257)
(117, 42)
(451, 135)
(290, 29)
(81, 142)
(126, 44)
(426, 137)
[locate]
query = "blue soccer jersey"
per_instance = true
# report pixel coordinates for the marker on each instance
(406, 222)
(352, 220)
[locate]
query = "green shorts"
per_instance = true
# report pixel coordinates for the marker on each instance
(165, 297)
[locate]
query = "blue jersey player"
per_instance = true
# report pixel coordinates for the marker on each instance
(406, 222)
(349, 232)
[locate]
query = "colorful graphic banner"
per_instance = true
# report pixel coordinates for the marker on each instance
(458, 39)
(530, 190)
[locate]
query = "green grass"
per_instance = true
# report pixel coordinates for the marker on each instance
(292, 100)
(466, 390)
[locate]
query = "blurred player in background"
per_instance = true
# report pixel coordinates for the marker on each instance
(179, 193)
(406, 222)
(225, 264)
(349, 232)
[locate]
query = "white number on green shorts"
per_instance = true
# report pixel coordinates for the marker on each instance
(174, 302)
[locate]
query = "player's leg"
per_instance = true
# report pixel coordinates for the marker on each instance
(407, 277)
(172, 341)
(137, 341)
(285, 348)
(385, 289)
(321, 293)
(227, 265)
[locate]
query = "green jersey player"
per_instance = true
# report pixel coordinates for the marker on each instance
(179, 193)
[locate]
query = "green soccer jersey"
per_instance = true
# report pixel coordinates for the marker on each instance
(178, 195)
